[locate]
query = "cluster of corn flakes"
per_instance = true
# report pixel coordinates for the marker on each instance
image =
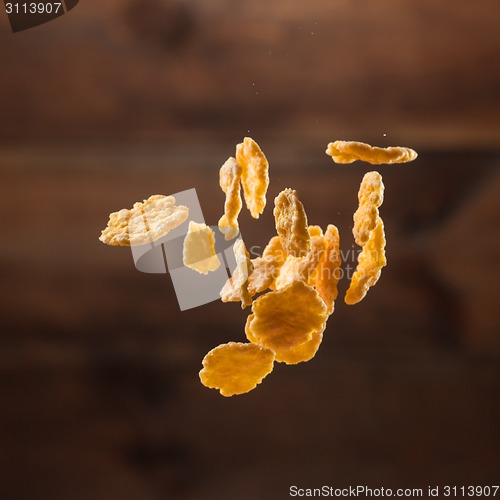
(299, 269)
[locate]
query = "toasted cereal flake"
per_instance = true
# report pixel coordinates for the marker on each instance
(350, 151)
(275, 249)
(299, 354)
(291, 223)
(286, 318)
(229, 180)
(265, 271)
(236, 368)
(254, 175)
(328, 270)
(199, 249)
(315, 231)
(236, 287)
(371, 197)
(371, 260)
(145, 222)
(302, 353)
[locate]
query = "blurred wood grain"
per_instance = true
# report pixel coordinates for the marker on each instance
(149, 69)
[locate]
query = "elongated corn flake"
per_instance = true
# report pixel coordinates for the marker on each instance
(145, 222)
(254, 175)
(236, 287)
(199, 249)
(236, 368)
(328, 271)
(291, 223)
(229, 180)
(350, 151)
(371, 260)
(370, 196)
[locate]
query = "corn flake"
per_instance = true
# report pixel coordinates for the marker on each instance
(350, 151)
(236, 287)
(328, 272)
(291, 223)
(371, 260)
(303, 268)
(286, 318)
(302, 353)
(265, 270)
(370, 196)
(275, 249)
(145, 222)
(229, 180)
(254, 175)
(236, 368)
(199, 249)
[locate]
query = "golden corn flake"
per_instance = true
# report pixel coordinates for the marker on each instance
(302, 353)
(328, 270)
(291, 223)
(236, 368)
(236, 287)
(299, 354)
(265, 272)
(254, 175)
(229, 180)
(286, 318)
(315, 231)
(371, 260)
(370, 196)
(145, 222)
(275, 249)
(199, 249)
(350, 151)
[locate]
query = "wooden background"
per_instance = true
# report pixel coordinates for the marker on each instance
(99, 369)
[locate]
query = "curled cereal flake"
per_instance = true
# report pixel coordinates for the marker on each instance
(145, 222)
(291, 223)
(236, 287)
(199, 249)
(254, 175)
(350, 151)
(370, 196)
(236, 368)
(371, 260)
(286, 318)
(328, 270)
(229, 180)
